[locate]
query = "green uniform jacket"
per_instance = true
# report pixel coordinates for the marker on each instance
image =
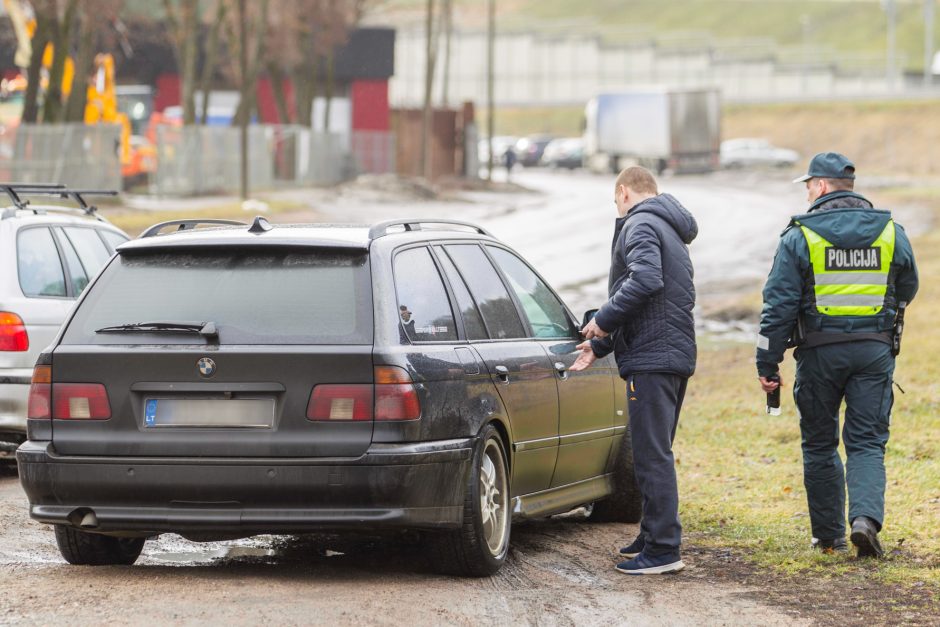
(846, 220)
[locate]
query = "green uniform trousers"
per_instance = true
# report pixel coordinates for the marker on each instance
(861, 373)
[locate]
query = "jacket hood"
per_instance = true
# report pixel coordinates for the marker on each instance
(671, 210)
(847, 227)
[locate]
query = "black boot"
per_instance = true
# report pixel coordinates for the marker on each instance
(865, 537)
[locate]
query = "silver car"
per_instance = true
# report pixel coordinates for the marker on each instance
(48, 255)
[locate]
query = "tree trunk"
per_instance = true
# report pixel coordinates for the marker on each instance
(78, 99)
(52, 107)
(490, 79)
(447, 20)
(243, 121)
(305, 79)
(427, 113)
(189, 33)
(41, 37)
(276, 76)
(328, 95)
(248, 98)
(212, 52)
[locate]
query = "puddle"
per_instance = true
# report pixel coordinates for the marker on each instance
(170, 549)
(204, 557)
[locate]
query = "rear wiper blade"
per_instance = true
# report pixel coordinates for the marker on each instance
(206, 329)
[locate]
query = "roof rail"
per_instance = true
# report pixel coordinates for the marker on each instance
(16, 191)
(186, 225)
(381, 229)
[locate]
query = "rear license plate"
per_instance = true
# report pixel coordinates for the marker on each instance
(255, 413)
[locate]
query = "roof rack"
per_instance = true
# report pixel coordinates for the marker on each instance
(381, 229)
(16, 191)
(186, 225)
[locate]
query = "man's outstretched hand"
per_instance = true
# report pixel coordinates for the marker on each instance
(585, 359)
(591, 331)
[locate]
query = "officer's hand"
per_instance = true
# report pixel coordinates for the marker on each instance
(585, 359)
(591, 331)
(769, 386)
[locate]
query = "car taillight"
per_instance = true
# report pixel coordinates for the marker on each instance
(80, 401)
(395, 395)
(392, 397)
(340, 402)
(38, 406)
(13, 336)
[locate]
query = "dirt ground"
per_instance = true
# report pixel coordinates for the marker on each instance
(560, 572)
(883, 138)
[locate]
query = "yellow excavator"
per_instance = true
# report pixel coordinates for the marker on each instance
(138, 159)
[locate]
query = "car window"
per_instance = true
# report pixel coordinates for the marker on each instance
(91, 250)
(423, 307)
(545, 312)
(258, 296)
(488, 291)
(113, 239)
(472, 321)
(73, 265)
(38, 263)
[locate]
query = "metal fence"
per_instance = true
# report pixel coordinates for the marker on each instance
(194, 160)
(203, 160)
(74, 154)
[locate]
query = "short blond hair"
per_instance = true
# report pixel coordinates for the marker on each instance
(638, 179)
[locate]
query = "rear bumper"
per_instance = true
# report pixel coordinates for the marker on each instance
(14, 394)
(393, 485)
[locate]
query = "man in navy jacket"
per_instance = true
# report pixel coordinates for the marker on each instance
(648, 324)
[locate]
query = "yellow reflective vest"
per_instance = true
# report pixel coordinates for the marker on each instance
(850, 281)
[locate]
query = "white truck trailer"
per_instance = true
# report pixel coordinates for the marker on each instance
(674, 129)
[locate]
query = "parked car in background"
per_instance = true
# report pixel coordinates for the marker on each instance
(567, 152)
(752, 152)
(48, 255)
(501, 145)
(231, 381)
(529, 149)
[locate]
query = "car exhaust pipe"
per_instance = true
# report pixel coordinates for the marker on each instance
(83, 518)
(89, 521)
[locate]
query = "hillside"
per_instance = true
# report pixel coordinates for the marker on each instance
(847, 26)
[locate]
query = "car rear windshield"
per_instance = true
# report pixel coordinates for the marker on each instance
(252, 297)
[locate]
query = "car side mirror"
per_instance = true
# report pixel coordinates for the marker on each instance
(588, 316)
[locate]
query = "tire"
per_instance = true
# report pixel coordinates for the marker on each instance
(480, 546)
(626, 503)
(91, 549)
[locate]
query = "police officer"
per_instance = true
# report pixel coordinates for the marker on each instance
(840, 273)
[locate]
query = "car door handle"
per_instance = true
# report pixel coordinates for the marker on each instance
(502, 373)
(562, 370)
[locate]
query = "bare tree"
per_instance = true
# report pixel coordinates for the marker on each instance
(252, 23)
(61, 33)
(447, 21)
(93, 16)
(432, 35)
(304, 35)
(183, 18)
(46, 19)
(209, 63)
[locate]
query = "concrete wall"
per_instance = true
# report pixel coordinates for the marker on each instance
(534, 69)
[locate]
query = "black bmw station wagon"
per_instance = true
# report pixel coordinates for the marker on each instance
(225, 380)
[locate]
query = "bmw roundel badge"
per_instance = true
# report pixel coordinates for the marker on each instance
(206, 367)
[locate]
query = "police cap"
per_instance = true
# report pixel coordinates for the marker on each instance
(829, 165)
